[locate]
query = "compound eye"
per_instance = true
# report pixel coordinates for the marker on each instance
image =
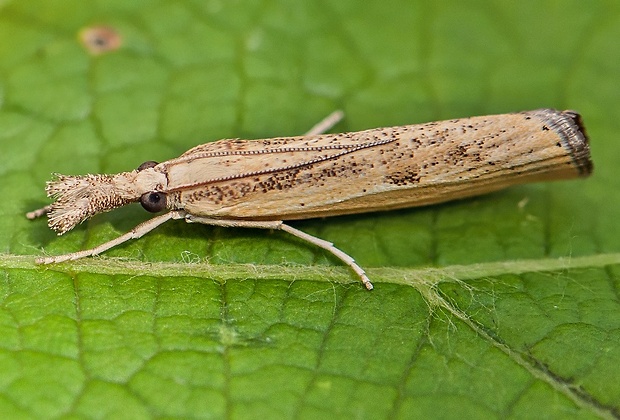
(146, 165)
(153, 201)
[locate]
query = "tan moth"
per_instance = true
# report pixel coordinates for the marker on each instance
(262, 183)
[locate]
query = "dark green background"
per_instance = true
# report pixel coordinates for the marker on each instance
(503, 306)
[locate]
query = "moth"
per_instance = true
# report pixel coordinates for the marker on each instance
(263, 183)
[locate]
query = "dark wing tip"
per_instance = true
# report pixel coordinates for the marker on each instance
(568, 125)
(579, 142)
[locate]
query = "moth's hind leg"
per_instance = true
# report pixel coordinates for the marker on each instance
(326, 123)
(279, 225)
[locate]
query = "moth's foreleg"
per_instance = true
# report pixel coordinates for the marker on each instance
(135, 233)
(39, 212)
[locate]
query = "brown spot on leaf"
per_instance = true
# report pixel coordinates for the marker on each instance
(100, 39)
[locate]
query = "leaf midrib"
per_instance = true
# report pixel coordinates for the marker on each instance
(395, 275)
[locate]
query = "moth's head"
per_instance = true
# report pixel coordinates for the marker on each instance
(79, 197)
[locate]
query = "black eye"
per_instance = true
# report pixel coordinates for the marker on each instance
(153, 201)
(147, 164)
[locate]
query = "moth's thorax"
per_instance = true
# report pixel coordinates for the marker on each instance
(151, 179)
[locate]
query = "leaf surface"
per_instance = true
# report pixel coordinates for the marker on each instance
(501, 306)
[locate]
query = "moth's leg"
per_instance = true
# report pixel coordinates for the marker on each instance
(326, 123)
(135, 233)
(279, 225)
(328, 246)
(39, 212)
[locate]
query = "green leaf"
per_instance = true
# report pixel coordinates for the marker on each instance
(502, 306)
